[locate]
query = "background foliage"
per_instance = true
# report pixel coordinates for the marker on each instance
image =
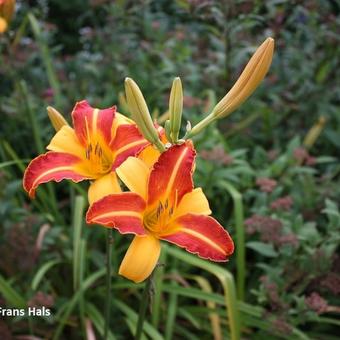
(261, 179)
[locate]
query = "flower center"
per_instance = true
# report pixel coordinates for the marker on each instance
(156, 220)
(100, 162)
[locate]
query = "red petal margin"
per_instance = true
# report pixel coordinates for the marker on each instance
(97, 120)
(202, 235)
(127, 142)
(122, 211)
(51, 166)
(172, 173)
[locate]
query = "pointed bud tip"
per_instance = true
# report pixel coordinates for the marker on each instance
(269, 43)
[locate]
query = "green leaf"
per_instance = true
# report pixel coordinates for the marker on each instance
(10, 294)
(97, 319)
(42, 271)
(262, 248)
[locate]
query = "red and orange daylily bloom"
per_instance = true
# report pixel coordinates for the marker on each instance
(100, 141)
(162, 205)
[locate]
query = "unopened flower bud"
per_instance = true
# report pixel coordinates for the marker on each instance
(314, 133)
(140, 113)
(248, 81)
(175, 108)
(246, 84)
(56, 118)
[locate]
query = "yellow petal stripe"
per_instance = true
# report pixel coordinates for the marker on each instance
(129, 146)
(174, 172)
(127, 213)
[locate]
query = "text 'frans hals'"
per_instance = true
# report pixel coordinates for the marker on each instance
(30, 311)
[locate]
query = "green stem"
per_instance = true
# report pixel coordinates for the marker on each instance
(46, 58)
(160, 146)
(200, 126)
(240, 237)
(143, 307)
(109, 242)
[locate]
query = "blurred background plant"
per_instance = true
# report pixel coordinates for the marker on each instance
(276, 190)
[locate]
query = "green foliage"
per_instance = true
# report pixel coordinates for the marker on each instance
(277, 200)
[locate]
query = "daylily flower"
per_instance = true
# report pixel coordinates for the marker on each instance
(162, 205)
(100, 141)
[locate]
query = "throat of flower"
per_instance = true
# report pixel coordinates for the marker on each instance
(158, 219)
(99, 161)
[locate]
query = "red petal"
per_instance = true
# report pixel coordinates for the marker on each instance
(87, 121)
(127, 142)
(51, 166)
(122, 211)
(201, 235)
(172, 174)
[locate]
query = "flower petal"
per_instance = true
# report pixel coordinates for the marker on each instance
(171, 176)
(149, 155)
(193, 202)
(53, 166)
(103, 186)
(127, 142)
(88, 121)
(141, 258)
(201, 235)
(65, 140)
(134, 173)
(122, 211)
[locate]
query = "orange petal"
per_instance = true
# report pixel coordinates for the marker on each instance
(141, 258)
(52, 166)
(65, 140)
(127, 142)
(149, 155)
(122, 211)
(201, 235)
(171, 177)
(88, 121)
(103, 186)
(3, 25)
(134, 174)
(193, 202)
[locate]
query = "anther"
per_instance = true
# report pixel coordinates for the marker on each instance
(96, 148)
(87, 153)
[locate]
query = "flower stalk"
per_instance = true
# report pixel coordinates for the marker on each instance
(143, 307)
(109, 243)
